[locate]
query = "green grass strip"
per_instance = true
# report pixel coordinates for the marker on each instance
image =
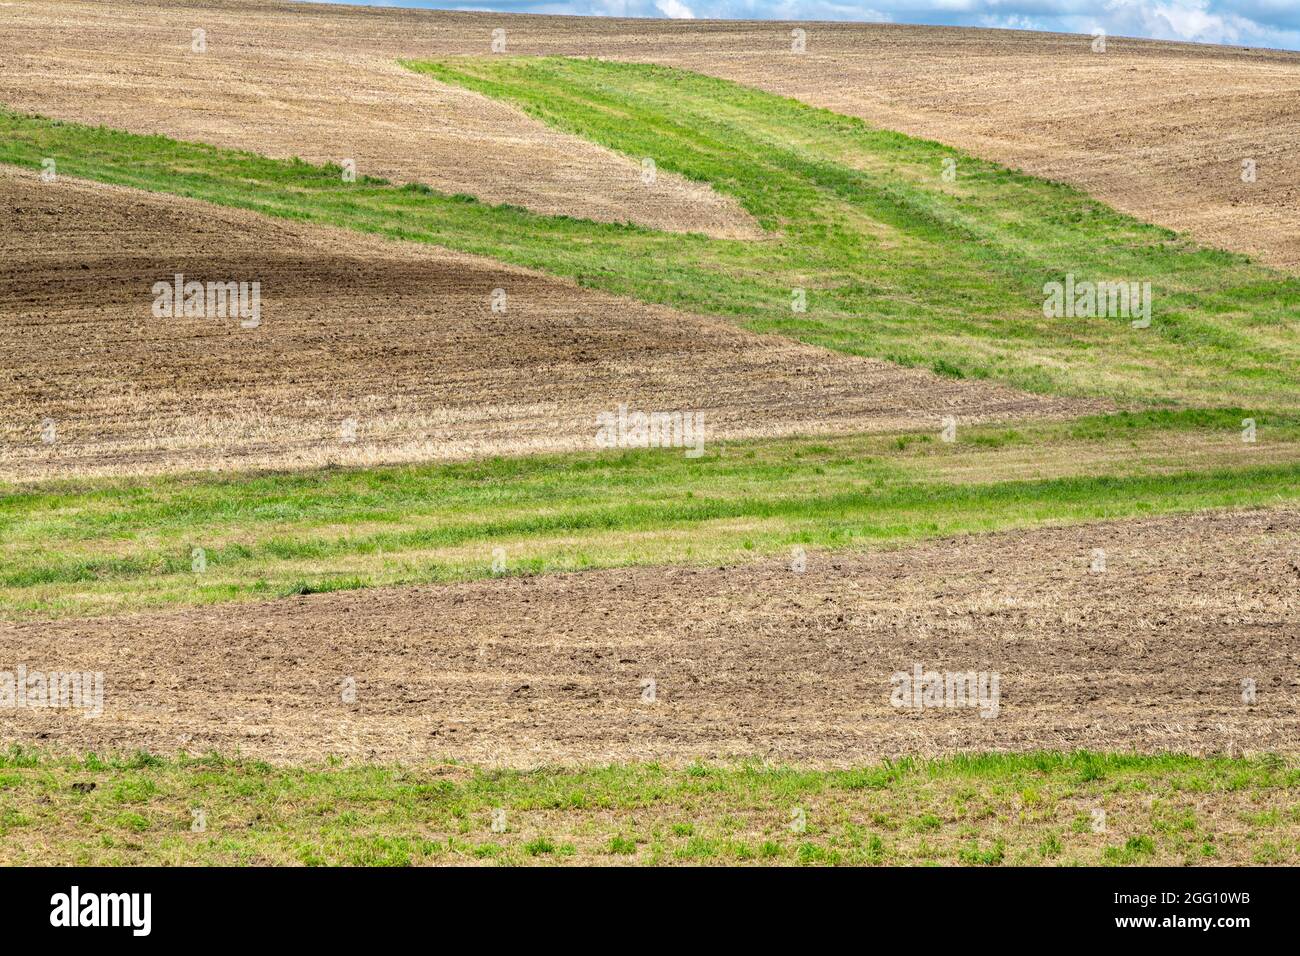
(113, 544)
(974, 810)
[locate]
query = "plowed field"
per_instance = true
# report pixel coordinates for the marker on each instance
(751, 661)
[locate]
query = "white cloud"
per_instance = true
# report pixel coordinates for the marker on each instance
(674, 9)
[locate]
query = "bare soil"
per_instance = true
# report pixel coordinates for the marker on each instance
(399, 338)
(1159, 130)
(748, 661)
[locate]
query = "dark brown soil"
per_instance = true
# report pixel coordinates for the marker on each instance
(399, 338)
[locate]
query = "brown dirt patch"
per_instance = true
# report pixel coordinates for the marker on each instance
(748, 661)
(1156, 129)
(398, 337)
(285, 85)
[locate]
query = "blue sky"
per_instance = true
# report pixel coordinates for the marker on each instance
(1267, 23)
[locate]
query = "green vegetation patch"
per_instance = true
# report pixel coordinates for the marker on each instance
(978, 810)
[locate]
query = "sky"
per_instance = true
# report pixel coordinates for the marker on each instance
(1260, 23)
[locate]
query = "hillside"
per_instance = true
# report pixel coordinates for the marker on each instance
(647, 433)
